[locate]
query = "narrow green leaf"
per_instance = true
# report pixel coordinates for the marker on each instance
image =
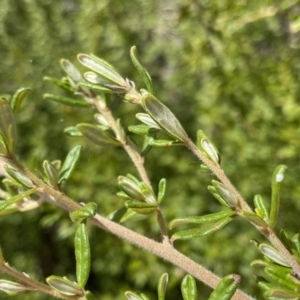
(225, 193)
(97, 135)
(273, 254)
(189, 288)
(210, 218)
(214, 192)
(72, 131)
(255, 219)
(15, 199)
(82, 254)
(64, 286)
(165, 119)
(60, 84)
(164, 143)
(277, 178)
(7, 126)
(226, 288)
(11, 287)
(102, 68)
(69, 164)
(129, 214)
(142, 129)
(202, 231)
(148, 193)
(288, 243)
(162, 186)
(141, 207)
(146, 119)
(67, 101)
(50, 173)
(71, 70)
(142, 71)
(131, 188)
(278, 293)
(87, 211)
(95, 87)
(18, 176)
(132, 296)
(205, 145)
(18, 98)
(162, 286)
(259, 204)
(279, 279)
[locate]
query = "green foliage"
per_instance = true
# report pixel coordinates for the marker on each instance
(234, 73)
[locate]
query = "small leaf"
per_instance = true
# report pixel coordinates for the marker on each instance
(165, 119)
(280, 279)
(18, 176)
(64, 286)
(95, 87)
(142, 71)
(216, 195)
(289, 244)
(72, 131)
(97, 135)
(102, 68)
(207, 147)
(146, 119)
(15, 199)
(51, 173)
(11, 287)
(225, 193)
(7, 126)
(273, 254)
(164, 143)
(210, 218)
(277, 293)
(18, 98)
(141, 207)
(69, 164)
(259, 204)
(71, 70)
(226, 288)
(202, 231)
(142, 129)
(148, 193)
(132, 296)
(277, 178)
(162, 286)
(67, 101)
(255, 219)
(189, 288)
(162, 186)
(82, 254)
(87, 211)
(60, 84)
(131, 188)
(129, 214)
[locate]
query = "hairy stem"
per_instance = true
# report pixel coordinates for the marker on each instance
(34, 285)
(163, 250)
(136, 158)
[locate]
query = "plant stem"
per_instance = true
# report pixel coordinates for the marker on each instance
(163, 250)
(136, 158)
(34, 285)
(243, 206)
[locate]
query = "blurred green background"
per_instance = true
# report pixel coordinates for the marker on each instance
(230, 68)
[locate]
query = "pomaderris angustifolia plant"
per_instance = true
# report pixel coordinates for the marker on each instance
(280, 254)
